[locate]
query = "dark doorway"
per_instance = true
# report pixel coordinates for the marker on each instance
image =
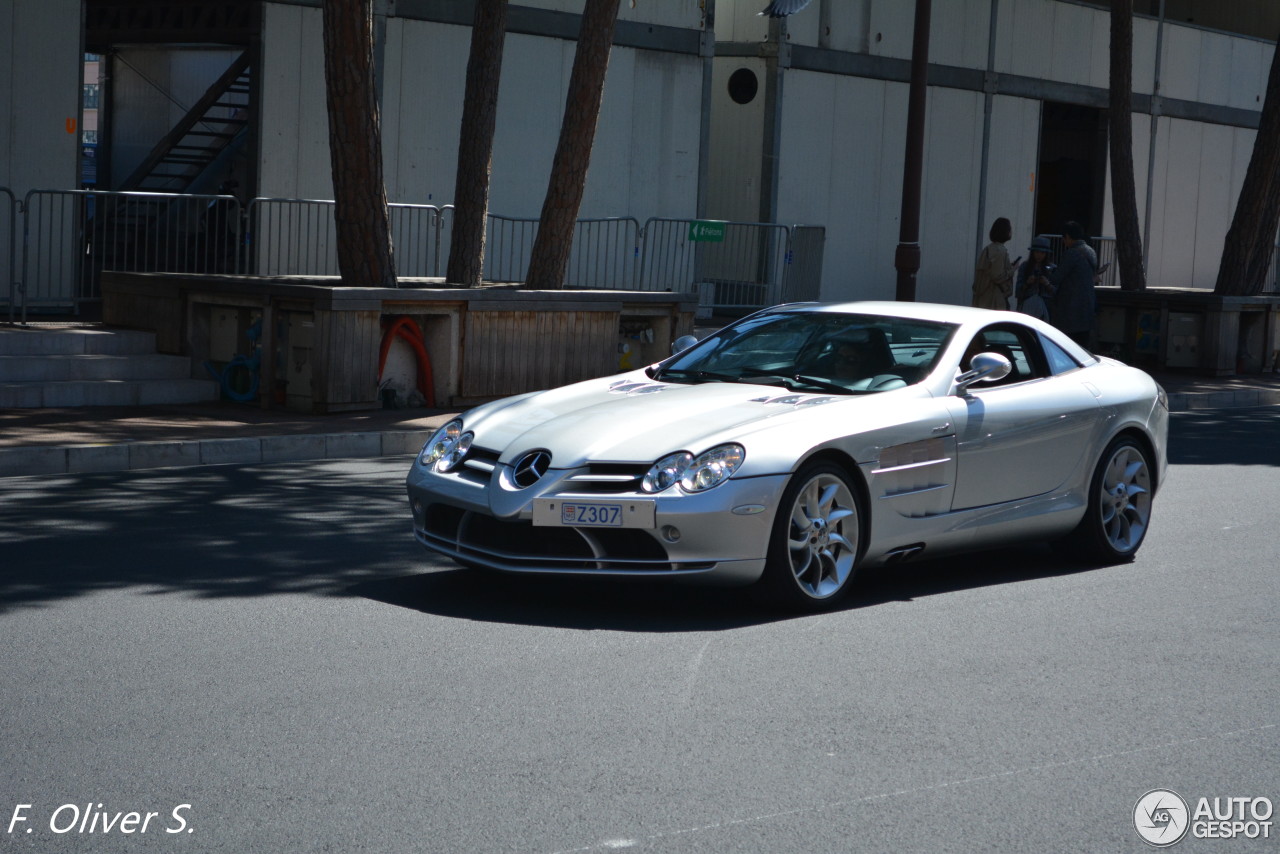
(1073, 167)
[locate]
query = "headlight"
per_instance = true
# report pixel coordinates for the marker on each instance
(441, 443)
(666, 471)
(455, 453)
(694, 474)
(712, 468)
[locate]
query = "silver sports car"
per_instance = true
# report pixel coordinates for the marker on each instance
(801, 443)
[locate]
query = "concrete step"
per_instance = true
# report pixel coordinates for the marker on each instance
(75, 393)
(150, 366)
(74, 341)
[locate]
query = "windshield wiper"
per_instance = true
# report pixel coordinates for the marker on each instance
(709, 376)
(823, 384)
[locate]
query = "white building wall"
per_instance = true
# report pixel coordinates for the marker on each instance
(644, 162)
(40, 131)
(41, 67)
(842, 137)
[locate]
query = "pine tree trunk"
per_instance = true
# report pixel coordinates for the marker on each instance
(1247, 251)
(355, 146)
(550, 256)
(475, 143)
(1124, 194)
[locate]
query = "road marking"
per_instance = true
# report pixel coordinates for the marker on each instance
(982, 778)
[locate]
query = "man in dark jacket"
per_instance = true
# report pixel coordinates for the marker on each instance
(1073, 303)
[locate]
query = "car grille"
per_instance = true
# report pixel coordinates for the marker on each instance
(519, 545)
(608, 478)
(478, 465)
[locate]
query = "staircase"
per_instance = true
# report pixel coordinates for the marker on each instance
(72, 366)
(208, 130)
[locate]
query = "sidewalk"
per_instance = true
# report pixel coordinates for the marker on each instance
(102, 439)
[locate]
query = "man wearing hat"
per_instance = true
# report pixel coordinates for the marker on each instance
(1032, 287)
(1071, 309)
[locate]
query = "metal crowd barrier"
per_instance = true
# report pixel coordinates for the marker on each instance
(733, 266)
(297, 237)
(70, 236)
(603, 255)
(1104, 246)
(8, 249)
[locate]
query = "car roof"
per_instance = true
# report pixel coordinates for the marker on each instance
(957, 314)
(964, 316)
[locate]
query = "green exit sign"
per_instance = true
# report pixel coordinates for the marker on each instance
(707, 231)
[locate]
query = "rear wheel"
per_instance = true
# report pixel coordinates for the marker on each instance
(817, 534)
(1119, 511)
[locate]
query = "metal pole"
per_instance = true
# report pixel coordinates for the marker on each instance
(907, 257)
(989, 96)
(1151, 144)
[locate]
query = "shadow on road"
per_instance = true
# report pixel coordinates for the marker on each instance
(654, 606)
(1246, 437)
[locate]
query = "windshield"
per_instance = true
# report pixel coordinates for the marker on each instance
(815, 351)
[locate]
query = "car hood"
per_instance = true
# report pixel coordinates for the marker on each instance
(634, 419)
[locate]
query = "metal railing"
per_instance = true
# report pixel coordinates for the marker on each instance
(8, 247)
(731, 265)
(298, 237)
(1104, 246)
(70, 236)
(603, 255)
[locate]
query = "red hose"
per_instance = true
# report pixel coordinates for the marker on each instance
(408, 329)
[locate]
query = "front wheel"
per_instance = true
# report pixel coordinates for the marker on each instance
(1119, 512)
(814, 548)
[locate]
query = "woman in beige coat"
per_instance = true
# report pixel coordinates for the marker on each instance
(993, 275)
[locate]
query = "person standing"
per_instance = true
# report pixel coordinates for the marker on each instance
(993, 274)
(1072, 307)
(1032, 286)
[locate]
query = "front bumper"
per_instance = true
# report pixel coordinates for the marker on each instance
(695, 536)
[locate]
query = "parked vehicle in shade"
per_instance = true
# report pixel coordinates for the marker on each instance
(800, 444)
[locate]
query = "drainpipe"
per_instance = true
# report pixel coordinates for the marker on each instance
(707, 52)
(907, 256)
(777, 56)
(1151, 144)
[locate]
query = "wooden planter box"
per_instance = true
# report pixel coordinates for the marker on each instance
(1192, 330)
(319, 344)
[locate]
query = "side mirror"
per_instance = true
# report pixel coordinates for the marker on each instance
(684, 342)
(984, 368)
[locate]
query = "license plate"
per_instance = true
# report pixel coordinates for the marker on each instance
(553, 512)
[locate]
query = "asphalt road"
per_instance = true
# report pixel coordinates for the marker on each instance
(268, 646)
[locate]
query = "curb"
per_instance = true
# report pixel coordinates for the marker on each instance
(97, 459)
(1186, 401)
(92, 459)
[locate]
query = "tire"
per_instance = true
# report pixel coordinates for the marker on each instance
(1119, 512)
(816, 541)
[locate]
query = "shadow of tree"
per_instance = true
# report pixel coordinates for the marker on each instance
(342, 529)
(211, 531)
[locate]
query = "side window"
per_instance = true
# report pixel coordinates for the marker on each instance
(1059, 360)
(1018, 344)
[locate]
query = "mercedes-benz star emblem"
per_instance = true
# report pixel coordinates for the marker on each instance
(530, 468)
